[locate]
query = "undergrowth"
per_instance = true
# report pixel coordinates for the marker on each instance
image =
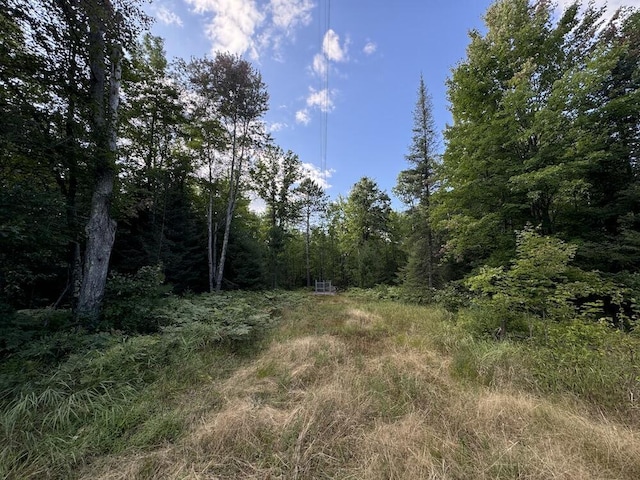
(350, 388)
(109, 391)
(343, 387)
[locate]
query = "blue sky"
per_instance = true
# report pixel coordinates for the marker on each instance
(374, 50)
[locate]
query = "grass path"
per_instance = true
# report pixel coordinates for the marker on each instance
(352, 390)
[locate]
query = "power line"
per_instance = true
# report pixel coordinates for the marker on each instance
(325, 27)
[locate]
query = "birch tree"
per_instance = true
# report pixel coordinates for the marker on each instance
(240, 98)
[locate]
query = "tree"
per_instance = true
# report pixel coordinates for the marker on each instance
(415, 186)
(151, 154)
(107, 34)
(274, 175)
(368, 239)
(240, 98)
(529, 131)
(78, 48)
(312, 199)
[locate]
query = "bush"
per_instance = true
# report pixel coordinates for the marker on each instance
(590, 360)
(453, 296)
(540, 282)
(132, 302)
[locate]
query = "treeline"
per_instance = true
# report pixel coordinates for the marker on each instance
(102, 130)
(540, 168)
(535, 202)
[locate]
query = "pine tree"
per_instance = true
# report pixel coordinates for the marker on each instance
(415, 187)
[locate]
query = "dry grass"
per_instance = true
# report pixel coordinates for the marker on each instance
(322, 403)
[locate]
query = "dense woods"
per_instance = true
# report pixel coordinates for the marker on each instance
(127, 180)
(101, 129)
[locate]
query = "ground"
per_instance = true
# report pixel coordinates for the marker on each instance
(348, 389)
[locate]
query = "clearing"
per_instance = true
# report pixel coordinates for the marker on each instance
(364, 390)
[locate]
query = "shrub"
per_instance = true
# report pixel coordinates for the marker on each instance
(589, 360)
(541, 282)
(453, 296)
(132, 302)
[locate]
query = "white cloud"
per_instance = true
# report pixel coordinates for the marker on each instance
(289, 14)
(370, 48)
(309, 170)
(168, 17)
(331, 47)
(320, 99)
(612, 5)
(319, 65)
(302, 116)
(250, 26)
(276, 127)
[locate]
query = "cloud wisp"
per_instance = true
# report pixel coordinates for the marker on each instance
(167, 16)
(252, 27)
(321, 99)
(303, 117)
(331, 47)
(370, 48)
(309, 170)
(332, 51)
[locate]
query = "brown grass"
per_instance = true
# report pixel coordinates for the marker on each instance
(327, 405)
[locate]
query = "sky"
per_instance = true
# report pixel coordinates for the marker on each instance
(374, 52)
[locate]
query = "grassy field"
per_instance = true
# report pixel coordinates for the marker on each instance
(353, 389)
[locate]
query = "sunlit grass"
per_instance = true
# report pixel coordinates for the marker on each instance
(355, 389)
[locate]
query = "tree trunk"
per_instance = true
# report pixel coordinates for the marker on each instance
(101, 232)
(308, 260)
(230, 208)
(210, 252)
(225, 241)
(234, 185)
(101, 229)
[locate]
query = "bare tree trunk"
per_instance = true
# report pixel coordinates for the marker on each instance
(101, 228)
(225, 238)
(234, 184)
(101, 232)
(215, 247)
(210, 252)
(308, 260)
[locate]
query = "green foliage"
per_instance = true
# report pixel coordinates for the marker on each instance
(365, 231)
(116, 392)
(541, 133)
(453, 296)
(589, 360)
(540, 282)
(132, 301)
(415, 187)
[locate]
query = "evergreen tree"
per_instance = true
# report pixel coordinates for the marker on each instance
(415, 186)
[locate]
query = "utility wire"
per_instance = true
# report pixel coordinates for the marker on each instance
(324, 25)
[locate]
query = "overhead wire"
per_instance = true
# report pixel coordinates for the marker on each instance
(324, 26)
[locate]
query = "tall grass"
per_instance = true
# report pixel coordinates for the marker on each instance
(126, 394)
(353, 389)
(341, 387)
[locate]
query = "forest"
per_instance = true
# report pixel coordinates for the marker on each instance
(127, 233)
